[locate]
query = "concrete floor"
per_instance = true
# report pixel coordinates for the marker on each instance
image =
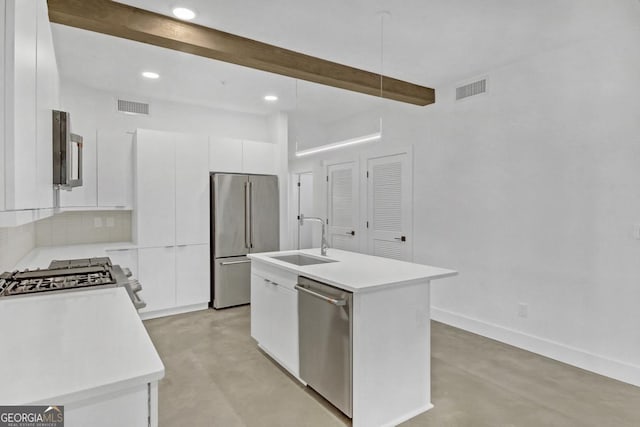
(216, 376)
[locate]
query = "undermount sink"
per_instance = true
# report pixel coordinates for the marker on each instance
(300, 259)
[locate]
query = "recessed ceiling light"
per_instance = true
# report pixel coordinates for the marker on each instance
(271, 98)
(184, 13)
(150, 75)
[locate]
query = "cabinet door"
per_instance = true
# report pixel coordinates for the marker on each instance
(225, 155)
(47, 99)
(259, 157)
(192, 189)
(261, 321)
(157, 275)
(155, 204)
(284, 310)
(192, 274)
(114, 168)
(20, 114)
(2, 105)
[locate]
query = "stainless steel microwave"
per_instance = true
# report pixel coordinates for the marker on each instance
(67, 153)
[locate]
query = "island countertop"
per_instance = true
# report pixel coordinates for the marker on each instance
(356, 272)
(65, 346)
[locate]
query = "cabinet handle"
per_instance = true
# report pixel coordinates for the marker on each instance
(401, 238)
(246, 216)
(351, 233)
(272, 282)
(250, 214)
(235, 262)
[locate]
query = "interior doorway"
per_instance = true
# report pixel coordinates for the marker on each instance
(305, 206)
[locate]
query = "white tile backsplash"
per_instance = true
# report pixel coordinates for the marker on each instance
(15, 242)
(71, 228)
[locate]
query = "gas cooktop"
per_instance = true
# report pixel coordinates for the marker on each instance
(72, 274)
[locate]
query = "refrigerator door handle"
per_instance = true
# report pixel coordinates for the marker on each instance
(246, 213)
(250, 214)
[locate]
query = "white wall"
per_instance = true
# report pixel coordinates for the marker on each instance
(15, 242)
(95, 109)
(531, 192)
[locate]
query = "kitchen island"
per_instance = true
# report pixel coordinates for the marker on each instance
(390, 326)
(86, 350)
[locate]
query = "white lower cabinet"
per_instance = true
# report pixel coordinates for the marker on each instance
(192, 274)
(274, 318)
(134, 408)
(174, 278)
(157, 271)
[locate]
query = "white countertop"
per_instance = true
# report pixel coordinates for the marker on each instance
(41, 256)
(68, 346)
(357, 272)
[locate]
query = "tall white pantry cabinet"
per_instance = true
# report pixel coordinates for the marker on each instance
(171, 220)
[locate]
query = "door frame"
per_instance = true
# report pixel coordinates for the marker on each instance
(359, 225)
(364, 194)
(295, 204)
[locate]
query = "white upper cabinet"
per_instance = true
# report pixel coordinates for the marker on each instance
(225, 155)
(192, 189)
(154, 177)
(172, 189)
(242, 156)
(30, 93)
(259, 157)
(20, 129)
(114, 169)
(2, 102)
(47, 100)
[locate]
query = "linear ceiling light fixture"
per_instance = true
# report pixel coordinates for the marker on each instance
(341, 144)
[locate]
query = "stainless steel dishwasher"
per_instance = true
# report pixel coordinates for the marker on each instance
(325, 339)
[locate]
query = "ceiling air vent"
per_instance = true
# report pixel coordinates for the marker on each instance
(132, 107)
(471, 89)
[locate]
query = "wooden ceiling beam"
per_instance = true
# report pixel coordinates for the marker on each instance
(120, 20)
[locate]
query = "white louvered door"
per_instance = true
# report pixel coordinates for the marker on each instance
(342, 193)
(389, 207)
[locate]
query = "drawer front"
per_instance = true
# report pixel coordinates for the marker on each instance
(274, 274)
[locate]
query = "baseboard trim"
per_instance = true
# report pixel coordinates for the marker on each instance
(598, 364)
(174, 310)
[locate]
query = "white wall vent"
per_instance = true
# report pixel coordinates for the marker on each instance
(132, 107)
(471, 89)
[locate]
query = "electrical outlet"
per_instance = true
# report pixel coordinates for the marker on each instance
(97, 222)
(523, 310)
(111, 222)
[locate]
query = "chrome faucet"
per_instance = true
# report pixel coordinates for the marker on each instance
(324, 245)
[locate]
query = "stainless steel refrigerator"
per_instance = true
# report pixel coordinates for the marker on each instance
(244, 219)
